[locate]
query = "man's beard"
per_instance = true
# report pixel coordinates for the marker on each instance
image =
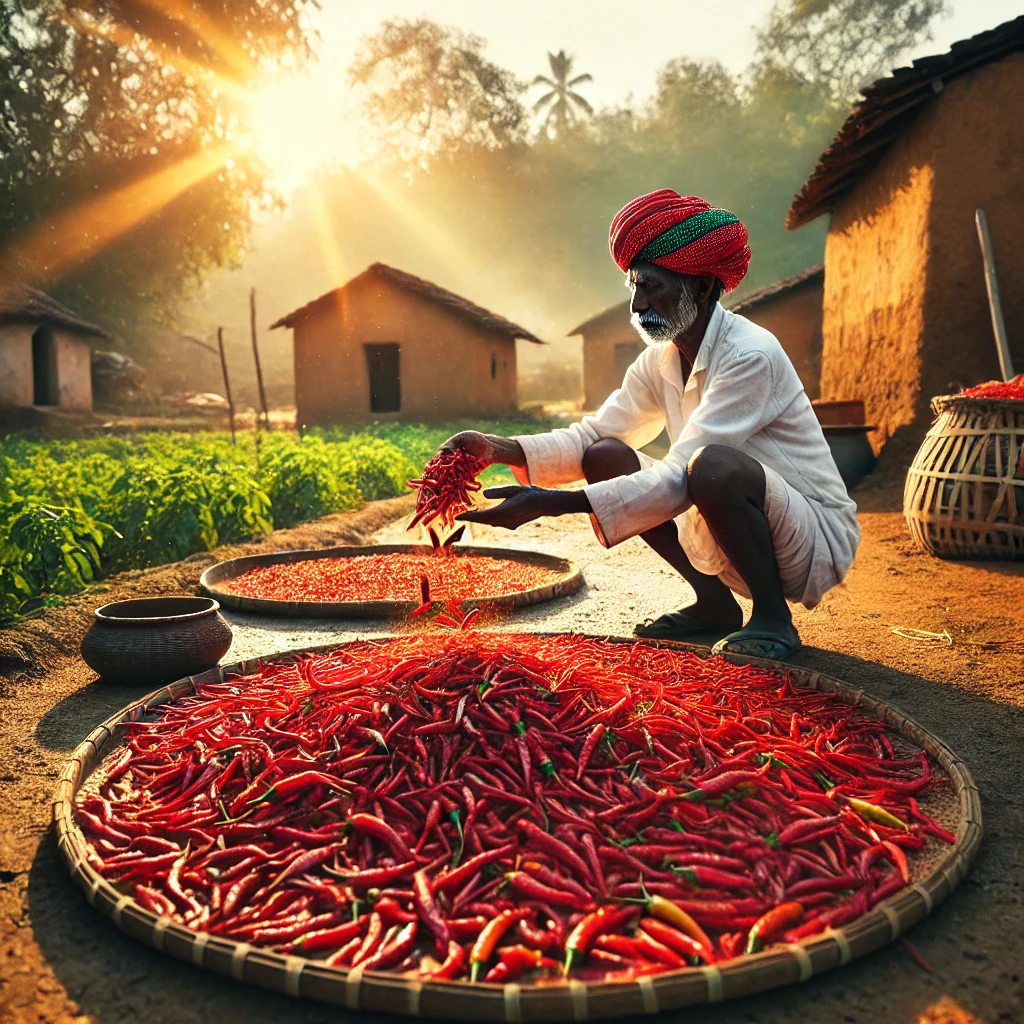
(654, 328)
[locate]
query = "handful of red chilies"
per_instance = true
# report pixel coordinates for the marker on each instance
(496, 807)
(443, 490)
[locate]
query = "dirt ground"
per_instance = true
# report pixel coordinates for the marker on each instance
(63, 962)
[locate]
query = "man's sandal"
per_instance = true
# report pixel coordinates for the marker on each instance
(758, 643)
(678, 626)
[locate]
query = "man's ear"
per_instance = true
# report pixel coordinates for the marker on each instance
(706, 289)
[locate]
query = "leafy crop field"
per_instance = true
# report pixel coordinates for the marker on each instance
(72, 512)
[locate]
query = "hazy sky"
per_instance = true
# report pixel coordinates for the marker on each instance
(621, 45)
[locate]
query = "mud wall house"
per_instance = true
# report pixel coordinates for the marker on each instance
(791, 309)
(905, 313)
(45, 354)
(388, 345)
(610, 345)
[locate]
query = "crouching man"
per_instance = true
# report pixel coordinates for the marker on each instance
(748, 499)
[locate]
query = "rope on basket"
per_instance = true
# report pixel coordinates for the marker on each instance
(803, 960)
(648, 993)
(842, 944)
(293, 966)
(578, 994)
(513, 1011)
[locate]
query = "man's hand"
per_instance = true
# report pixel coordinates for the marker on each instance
(524, 504)
(489, 448)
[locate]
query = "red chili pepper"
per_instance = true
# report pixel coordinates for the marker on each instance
(370, 944)
(683, 945)
(589, 746)
(383, 831)
(528, 886)
(454, 965)
(558, 849)
(606, 919)
(395, 952)
(769, 925)
(329, 938)
(427, 908)
(483, 948)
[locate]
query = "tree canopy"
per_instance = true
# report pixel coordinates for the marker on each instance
(428, 89)
(120, 143)
(841, 45)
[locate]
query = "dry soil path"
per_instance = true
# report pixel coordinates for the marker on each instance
(62, 961)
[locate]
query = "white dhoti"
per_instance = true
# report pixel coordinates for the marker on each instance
(799, 539)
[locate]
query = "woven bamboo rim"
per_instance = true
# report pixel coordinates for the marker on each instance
(570, 579)
(964, 493)
(940, 403)
(387, 993)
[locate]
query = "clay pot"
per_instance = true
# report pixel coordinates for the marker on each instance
(847, 413)
(155, 640)
(852, 452)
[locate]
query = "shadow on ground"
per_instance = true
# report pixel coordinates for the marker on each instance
(117, 980)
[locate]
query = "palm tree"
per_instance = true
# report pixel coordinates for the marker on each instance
(563, 103)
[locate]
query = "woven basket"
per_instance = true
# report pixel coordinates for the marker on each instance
(569, 580)
(964, 496)
(388, 993)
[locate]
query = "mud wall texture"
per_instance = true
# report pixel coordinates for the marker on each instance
(15, 365)
(873, 304)
(74, 370)
(72, 360)
(794, 317)
(905, 315)
(610, 344)
(445, 363)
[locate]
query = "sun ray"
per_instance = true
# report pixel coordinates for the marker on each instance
(430, 233)
(201, 25)
(74, 235)
(327, 235)
(128, 38)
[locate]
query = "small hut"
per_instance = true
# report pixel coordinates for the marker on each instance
(610, 345)
(791, 310)
(45, 355)
(389, 345)
(905, 313)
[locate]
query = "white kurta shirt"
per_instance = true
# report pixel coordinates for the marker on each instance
(742, 392)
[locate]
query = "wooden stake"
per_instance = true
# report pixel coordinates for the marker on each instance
(994, 305)
(256, 357)
(227, 383)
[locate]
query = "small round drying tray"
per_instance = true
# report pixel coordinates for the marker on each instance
(933, 879)
(568, 579)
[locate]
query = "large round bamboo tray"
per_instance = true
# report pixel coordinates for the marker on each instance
(932, 882)
(964, 496)
(569, 580)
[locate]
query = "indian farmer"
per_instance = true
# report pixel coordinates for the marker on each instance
(748, 499)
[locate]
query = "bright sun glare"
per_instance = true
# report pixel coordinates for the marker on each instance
(292, 133)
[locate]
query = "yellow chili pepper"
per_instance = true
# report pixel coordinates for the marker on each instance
(872, 812)
(665, 910)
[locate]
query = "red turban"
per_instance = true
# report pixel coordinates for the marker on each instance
(682, 233)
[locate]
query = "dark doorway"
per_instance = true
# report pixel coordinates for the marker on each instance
(625, 356)
(385, 380)
(44, 368)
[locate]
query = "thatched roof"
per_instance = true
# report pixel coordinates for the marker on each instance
(888, 108)
(409, 282)
(19, 303)
(811, 275)
(617, 314)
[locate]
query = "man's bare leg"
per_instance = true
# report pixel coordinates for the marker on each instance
(728, 488)
(715, 609)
